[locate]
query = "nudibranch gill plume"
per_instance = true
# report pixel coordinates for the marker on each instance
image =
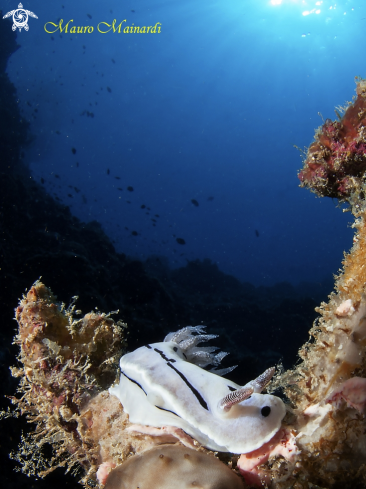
(165, 384)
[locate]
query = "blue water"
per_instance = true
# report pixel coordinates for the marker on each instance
(208, 110)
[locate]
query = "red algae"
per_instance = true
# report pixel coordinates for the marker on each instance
(335, 164)
(65, 364)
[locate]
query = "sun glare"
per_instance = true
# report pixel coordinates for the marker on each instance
(308, 7)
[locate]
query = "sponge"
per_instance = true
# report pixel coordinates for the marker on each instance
(173, 467)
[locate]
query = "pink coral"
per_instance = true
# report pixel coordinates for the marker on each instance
(353, 391)
(282, 444)
(104, 471)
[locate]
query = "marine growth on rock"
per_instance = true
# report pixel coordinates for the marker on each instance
(335, 162)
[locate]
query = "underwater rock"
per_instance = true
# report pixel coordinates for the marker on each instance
(171, 466)
(65, 363)
(327, 390)
(335, 163)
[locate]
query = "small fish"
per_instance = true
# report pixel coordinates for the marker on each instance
(134, 233)
(90, 17)
(73, 151)
(194, 202)
(109, 90)
(257, 233)
(180, 241)
(130, 189)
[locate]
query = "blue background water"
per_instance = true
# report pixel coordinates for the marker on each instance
(209, 109)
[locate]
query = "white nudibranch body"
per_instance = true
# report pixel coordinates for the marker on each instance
(164, 384)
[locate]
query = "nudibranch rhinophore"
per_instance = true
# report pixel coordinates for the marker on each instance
(165, 384)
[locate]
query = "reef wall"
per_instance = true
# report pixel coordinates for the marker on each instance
(327, 389)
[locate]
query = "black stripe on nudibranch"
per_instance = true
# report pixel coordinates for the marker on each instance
(161, 353)
(168, 410)
(193, 389)
(134, 381)
(231, 388)
(149, 347)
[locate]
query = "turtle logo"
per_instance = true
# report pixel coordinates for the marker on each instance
(20, 18)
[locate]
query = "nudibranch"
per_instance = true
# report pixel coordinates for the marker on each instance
(165, 384)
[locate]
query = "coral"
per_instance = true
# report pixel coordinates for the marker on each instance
(65, 363)
(250, 465)
(176, 466)
(335, 163)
